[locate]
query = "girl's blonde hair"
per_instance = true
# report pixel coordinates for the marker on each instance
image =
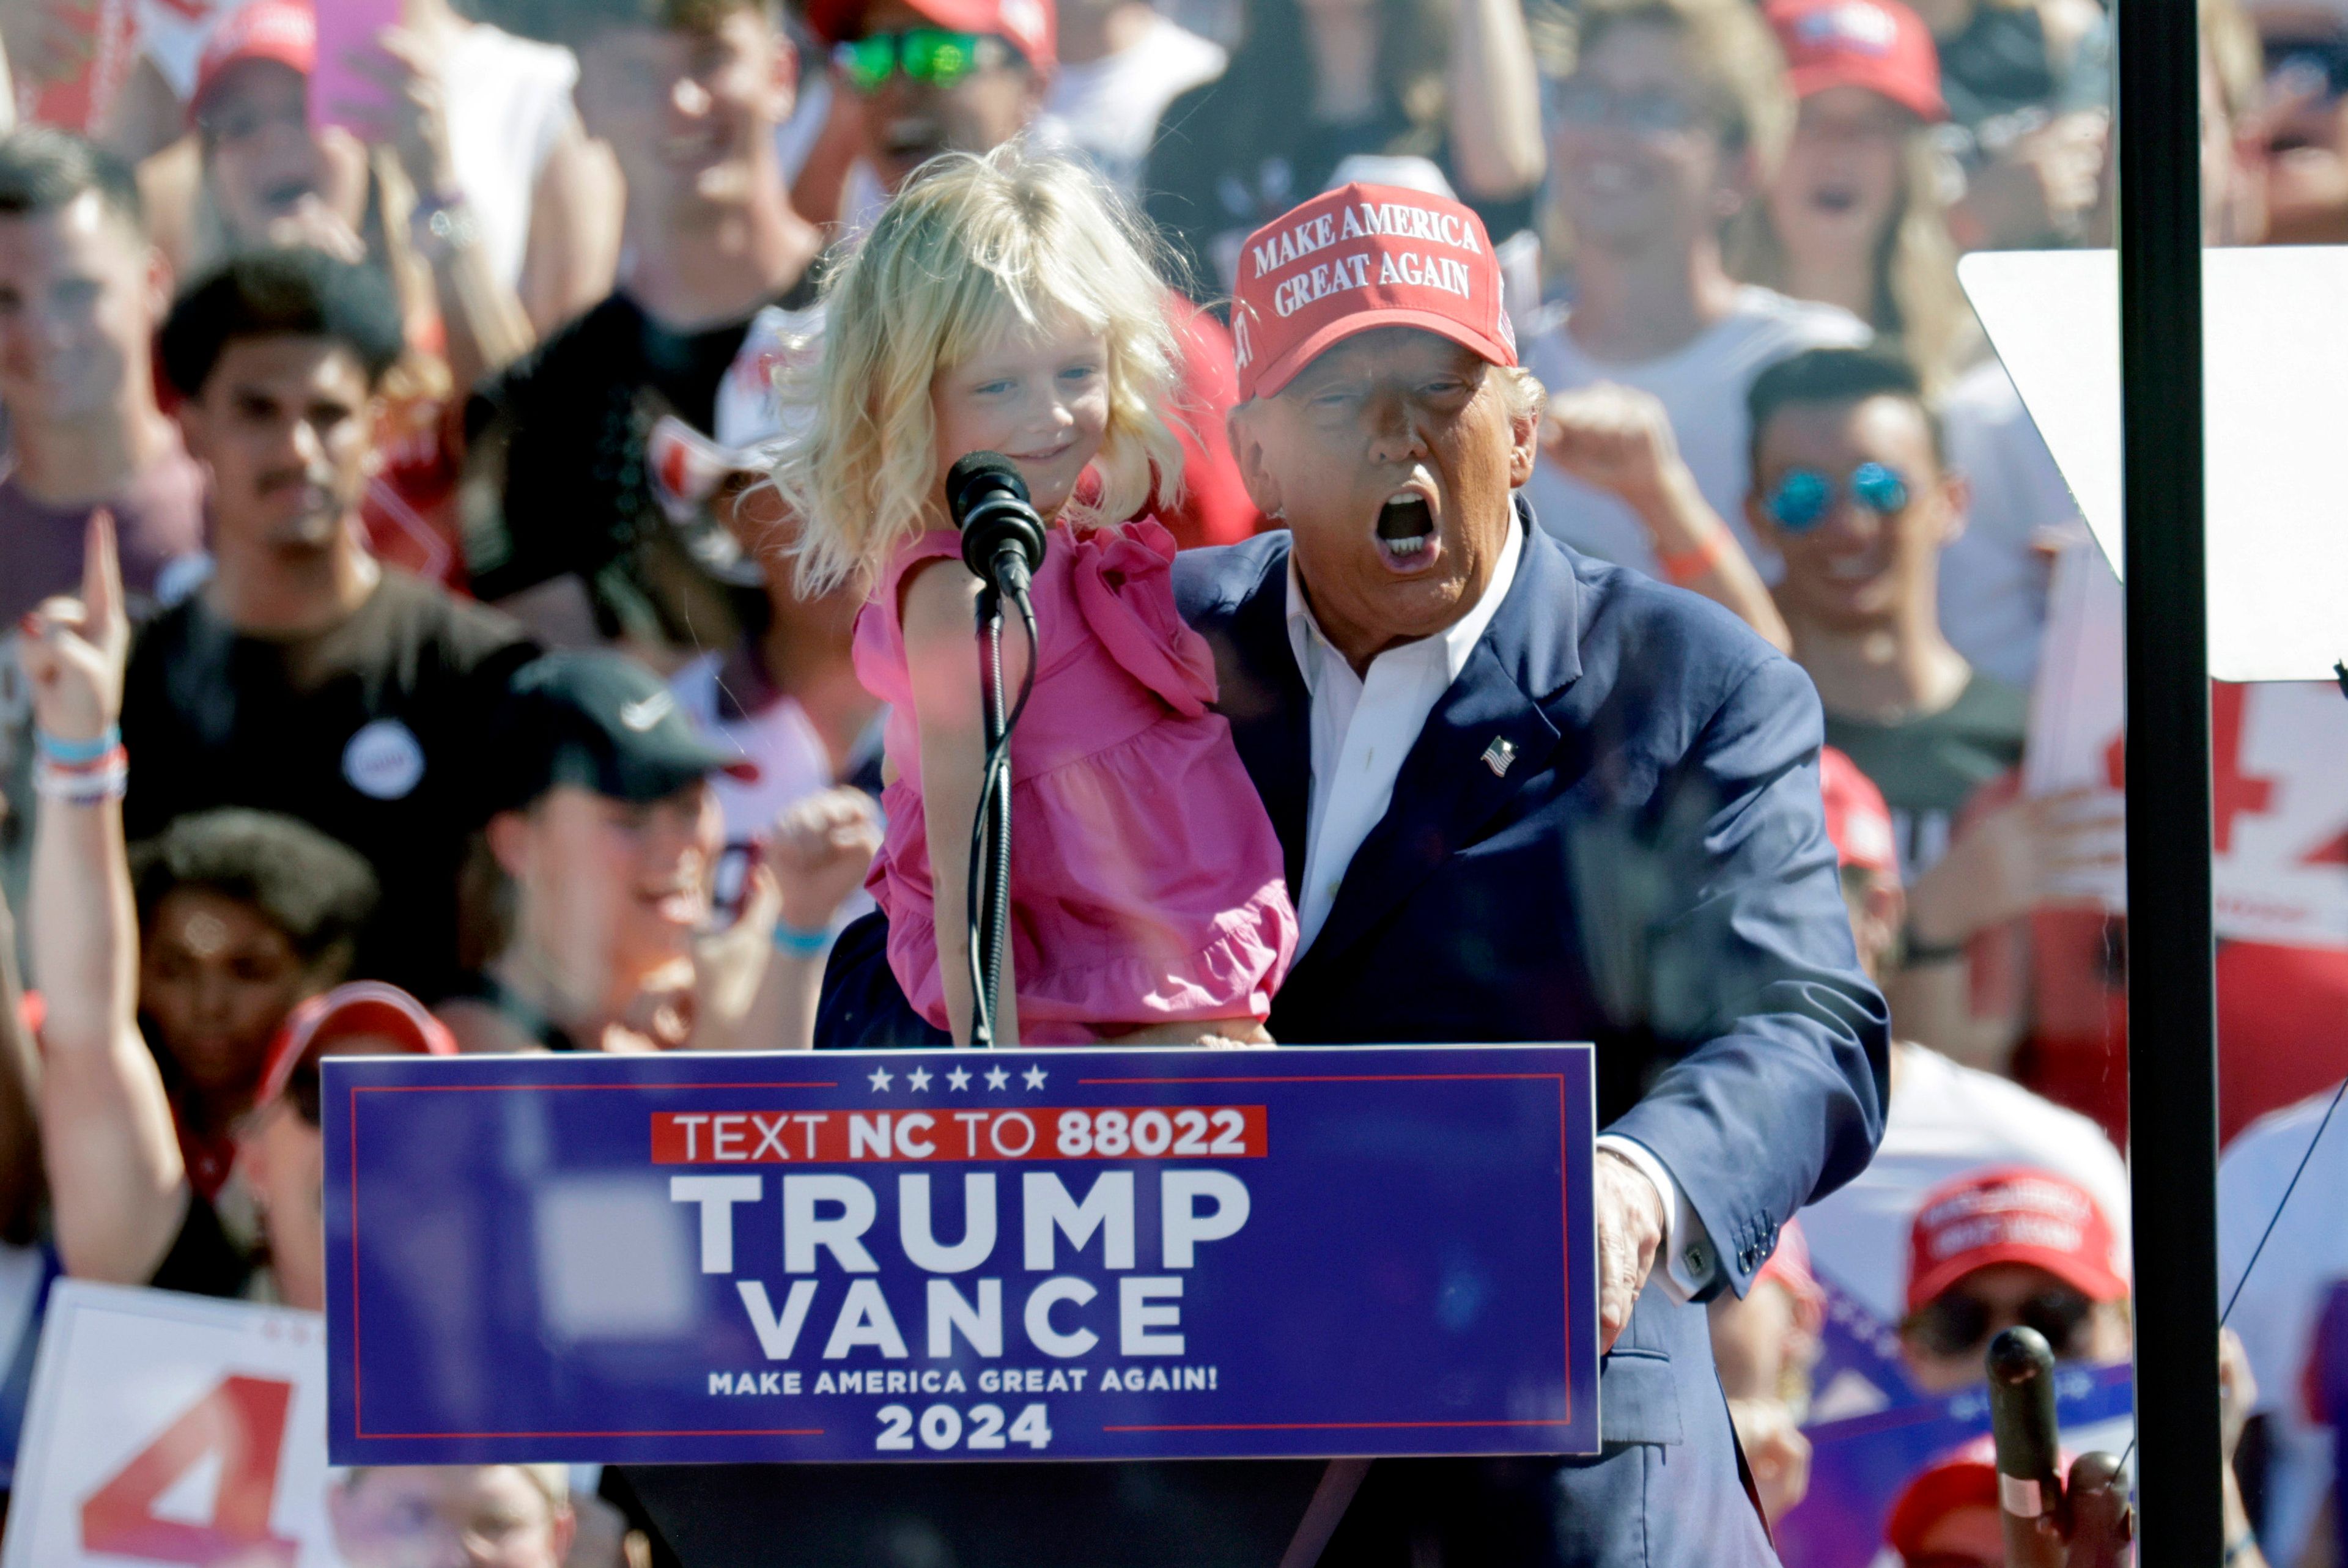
(973, 249)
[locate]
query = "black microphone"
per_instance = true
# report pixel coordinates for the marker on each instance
(2022, 1418)
(1002, 536)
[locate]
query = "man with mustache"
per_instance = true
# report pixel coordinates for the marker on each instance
(1524, 796)
(307, 677)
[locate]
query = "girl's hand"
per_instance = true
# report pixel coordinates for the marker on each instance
(74, 650)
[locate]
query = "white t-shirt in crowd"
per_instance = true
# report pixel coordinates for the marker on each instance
(1703, 387)
(1111, 106)
(508, 107)
(1947, 1119)
(2278, 1311)
(1994, 577)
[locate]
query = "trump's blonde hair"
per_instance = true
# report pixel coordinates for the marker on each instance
(973, 249)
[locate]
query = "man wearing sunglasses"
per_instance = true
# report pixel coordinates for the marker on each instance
(1998, 1249)
(1851, 489)
(938, 76)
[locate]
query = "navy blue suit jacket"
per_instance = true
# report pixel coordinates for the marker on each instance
(1651, 873)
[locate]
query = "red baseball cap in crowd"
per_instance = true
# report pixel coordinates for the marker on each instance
(1880, 44)
(391, 1021)
(2011, 1214)
(1857, 821)
(1964, 1477)
(1359, 256)
(1031, 27)
(285, 31)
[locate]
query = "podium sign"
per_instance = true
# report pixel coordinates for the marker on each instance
(958, 1256)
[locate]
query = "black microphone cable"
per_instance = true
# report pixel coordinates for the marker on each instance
(1003, 543)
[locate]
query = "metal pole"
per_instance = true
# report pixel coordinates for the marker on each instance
(2172, 992)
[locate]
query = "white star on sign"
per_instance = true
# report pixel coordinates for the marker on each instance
(958, 1079)
(996, 1078)
(918, 1080)
(1035, 1077)
(878, 1079)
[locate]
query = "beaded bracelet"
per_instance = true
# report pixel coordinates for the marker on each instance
(83, 784)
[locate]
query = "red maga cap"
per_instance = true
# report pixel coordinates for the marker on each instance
(1359, 256)
(1031, 27)
(285, 31)
(1857, 819)
(2012, 1215)
(367, 1008)
(1878, 44)
(1965, 1476)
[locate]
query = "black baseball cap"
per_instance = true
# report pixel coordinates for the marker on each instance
(602, 722)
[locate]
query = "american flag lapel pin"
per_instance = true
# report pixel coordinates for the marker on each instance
(1498, 757)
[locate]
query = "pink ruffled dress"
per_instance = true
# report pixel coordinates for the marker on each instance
(1146, 881)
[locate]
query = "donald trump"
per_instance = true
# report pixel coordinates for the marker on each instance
(1522, 795)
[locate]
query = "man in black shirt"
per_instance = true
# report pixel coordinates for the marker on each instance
(307, 678)
(1850, 486)
(562, 527)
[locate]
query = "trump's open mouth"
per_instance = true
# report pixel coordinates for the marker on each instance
(1406, 534)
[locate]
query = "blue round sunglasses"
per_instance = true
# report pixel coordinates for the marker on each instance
(1804, 496)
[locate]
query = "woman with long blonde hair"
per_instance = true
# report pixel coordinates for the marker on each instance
(1856, 214)
(1007, 304)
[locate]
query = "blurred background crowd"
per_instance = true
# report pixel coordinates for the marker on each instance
(422, 354)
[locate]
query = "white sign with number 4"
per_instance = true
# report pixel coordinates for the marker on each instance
(169, 1429)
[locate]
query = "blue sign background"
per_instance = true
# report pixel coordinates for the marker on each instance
(511, 1279)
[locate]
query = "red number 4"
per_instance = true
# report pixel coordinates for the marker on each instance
(243, 1421)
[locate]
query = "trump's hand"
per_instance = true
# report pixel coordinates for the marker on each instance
(1630, 1231)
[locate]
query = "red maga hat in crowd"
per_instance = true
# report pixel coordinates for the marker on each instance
(2011, 1214)
(1359, 256)
(1964, 1477)
(1880, 44)
(1857, 821)
(387, 1017)
(285, 31)
(1031, 27)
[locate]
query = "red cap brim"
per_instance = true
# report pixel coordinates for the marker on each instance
(1275, 376)
(1919, 99)
(366, 1008)
(2096, 1284)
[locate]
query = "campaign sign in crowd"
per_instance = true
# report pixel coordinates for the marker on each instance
(907, 1255)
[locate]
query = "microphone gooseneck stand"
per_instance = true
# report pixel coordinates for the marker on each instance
(1002, 544)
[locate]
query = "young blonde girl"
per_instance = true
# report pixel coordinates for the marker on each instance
(1005, 303)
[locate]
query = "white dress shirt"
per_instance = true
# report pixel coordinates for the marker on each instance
(1363, 727)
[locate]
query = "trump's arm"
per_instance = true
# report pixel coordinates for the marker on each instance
(1777, 1095)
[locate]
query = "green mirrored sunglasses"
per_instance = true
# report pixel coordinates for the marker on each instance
(931, 55)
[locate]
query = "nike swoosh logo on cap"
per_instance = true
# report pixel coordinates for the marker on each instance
(643, 714)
